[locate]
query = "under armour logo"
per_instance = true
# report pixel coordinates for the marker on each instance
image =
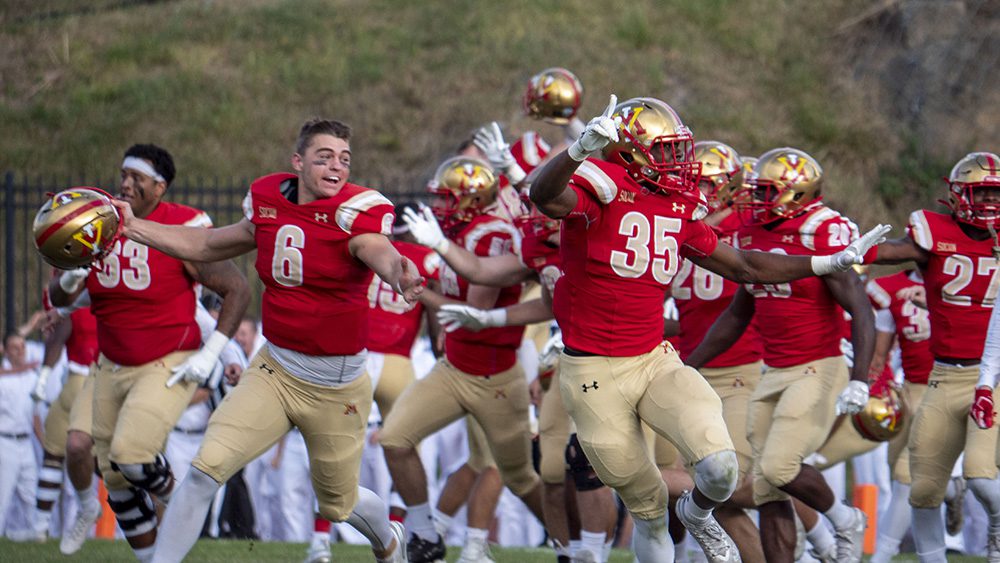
(589, 387)
(267, 369)
(933, 383)
(788, 238)
(679, 207)
(500, 394)
(322, 217)
(351, 409)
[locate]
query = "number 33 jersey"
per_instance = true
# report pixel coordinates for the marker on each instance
(620, 248)
(144, 299)
(315, 292)
(961, 277)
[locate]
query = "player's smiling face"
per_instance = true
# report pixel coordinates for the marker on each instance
(323, 169)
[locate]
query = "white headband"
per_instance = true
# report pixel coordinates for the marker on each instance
(140, 165)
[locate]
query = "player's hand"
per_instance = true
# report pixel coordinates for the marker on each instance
(232, 374)
(982, 408)
(915, 293)
(411, 283)
(489, 139)
(454, 317)
(535, 391)
(600, 131)
(125, 215)
(855, 252)
(38, 393)
(71, 280)
(200, 365)
(853, 398)
(425, 229)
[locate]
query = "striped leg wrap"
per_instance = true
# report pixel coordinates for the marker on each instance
(134, 510)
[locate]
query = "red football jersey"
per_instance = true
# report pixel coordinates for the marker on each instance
(540, 255)
(81, 346)
(394, 322)
(315, 292)
(144, 299)
(962, 279)
(701, 296)
(621, 247)
(913, 325)
(491, 350)
(799, 321)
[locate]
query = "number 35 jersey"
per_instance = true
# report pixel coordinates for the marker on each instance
(961, 277)
(620, 248)
(144, 299)
(799, 321)
(315, 292)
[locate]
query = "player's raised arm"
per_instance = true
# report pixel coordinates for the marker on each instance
(193, 243)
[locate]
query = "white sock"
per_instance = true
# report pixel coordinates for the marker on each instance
(593, 542)
(987, 492)
(574, 546)
(144, 554)
(87, 497)
(820, 537)
(478, 535)
(184, 517)
(928, 534)
(894, 524)
(371, 517)
(840, 515)
(651, 541)
(442, 522)
(420, 523)
(695, 512)
(321, 537)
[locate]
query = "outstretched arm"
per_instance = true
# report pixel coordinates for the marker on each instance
(726, 330)
(897, 251)
(381, 256)
(194, 244)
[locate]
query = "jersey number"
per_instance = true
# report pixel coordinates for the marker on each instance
(963, 269)
(918, 322)
(286, 265)
(781, 290)
(707, 285)
(636, 260)
(135, 276)
(381, 296)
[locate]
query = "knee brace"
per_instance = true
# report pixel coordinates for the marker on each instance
(580, 468)
(134, 510)
(154, 477)
(716, 475)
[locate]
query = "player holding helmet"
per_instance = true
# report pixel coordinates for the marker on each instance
(627, 222)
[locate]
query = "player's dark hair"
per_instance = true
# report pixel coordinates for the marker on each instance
(399, 222)
(319, 126)
(163, 163)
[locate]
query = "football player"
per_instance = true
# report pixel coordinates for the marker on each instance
(628, 219)
(151, 353)
(318, 239)
(479, 374)
(956, 256)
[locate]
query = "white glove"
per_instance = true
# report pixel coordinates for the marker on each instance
(199, 366)
(853, 398)
(550, 353)
(424, 227)
(853, 254)
(599, 132)
(489, 139)
(71, 280)
(38, 393)
(454, 317)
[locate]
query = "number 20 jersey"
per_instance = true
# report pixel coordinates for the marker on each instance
(961, 277)
(620, 248)
(799, 321)
(315, 292)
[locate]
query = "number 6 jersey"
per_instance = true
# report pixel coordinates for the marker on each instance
(315, 292)
(620, 248)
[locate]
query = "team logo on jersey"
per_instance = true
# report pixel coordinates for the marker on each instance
(788, 238)
(738, 382)
(500, 394)
(589, 387)
(810, 370)
(351, 409)
(947, 247)
(679, 207)
(321, 218)
(626, 197)
(267, 212)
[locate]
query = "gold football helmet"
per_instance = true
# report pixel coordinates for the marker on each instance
(654, 145)
(721, 172)
(973, 172)
(783, 182)
(553, 95)
(76, 227)
(465, 187)
(882, 418)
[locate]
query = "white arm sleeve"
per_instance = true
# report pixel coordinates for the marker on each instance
(990, 366)
(884, 321)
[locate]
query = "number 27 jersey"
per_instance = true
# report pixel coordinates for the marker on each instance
(620, 248)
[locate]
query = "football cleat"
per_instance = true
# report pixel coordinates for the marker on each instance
(75, 535)
(717, 545)
(399, 554)
(850, 540)
(953, 515)
(419, 550)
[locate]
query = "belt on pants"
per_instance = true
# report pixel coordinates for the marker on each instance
(187, 432)
(958, 362)
(22, 436)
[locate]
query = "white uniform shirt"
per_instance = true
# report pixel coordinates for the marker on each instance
(16, 406)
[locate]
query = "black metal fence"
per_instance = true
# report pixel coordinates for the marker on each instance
(24, 272)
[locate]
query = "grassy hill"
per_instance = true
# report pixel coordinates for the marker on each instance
(224, 84)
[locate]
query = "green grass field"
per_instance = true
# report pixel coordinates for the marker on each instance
(224, 551)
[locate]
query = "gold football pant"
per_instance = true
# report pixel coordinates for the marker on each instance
(735, 385)
(899, 455)
(57, 420)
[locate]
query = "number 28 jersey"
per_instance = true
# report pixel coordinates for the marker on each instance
(620, 248)
(961, 277)
(315, 292)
